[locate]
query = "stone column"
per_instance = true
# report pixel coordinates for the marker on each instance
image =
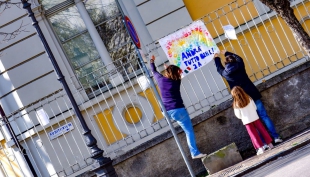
(115, 77)
(102, 50)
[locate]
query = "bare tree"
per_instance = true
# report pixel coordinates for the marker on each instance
(12, 34)
(283, 8)
(4, 5)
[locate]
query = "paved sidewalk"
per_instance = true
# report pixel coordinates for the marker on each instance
(255, 162)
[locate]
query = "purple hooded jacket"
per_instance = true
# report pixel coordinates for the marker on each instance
(169, 90)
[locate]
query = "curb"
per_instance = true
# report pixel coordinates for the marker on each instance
(271, 158)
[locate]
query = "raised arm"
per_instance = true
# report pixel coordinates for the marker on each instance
(219, 67)
(153, 68)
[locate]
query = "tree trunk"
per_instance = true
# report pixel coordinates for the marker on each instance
(283, 8)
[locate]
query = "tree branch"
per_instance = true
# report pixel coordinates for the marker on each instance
(6, 4)
(11, 35)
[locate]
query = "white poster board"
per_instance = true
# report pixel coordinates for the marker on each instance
(189, 48)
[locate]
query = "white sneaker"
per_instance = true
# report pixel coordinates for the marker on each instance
(260, 151)
(199, 156)
(278, 140)
(265, 147)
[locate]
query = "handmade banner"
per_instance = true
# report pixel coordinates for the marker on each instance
(189, 48)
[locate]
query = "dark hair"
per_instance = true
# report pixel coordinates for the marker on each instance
(241, 99)
(173, 72)
(230, 59)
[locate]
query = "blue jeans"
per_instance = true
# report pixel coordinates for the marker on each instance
(181, 116)
(261, 111)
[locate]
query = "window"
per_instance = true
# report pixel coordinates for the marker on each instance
(78, 46)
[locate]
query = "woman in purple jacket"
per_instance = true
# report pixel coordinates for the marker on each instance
(169, 85)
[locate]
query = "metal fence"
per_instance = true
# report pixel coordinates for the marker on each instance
(123, 114)
(264, 40)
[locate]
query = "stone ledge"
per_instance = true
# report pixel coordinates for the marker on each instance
(212, 112)
(296, 142)
(222, 158)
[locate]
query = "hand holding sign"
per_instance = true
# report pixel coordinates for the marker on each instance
(165, 66)
(216, 55)
(223, 52)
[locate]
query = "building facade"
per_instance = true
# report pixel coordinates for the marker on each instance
(101, 64)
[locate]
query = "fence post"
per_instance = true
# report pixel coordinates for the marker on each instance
(103, 165)
(16, 142)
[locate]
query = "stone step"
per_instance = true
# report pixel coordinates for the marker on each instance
(222, 158)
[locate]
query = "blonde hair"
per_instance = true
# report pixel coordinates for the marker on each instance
(241, 99)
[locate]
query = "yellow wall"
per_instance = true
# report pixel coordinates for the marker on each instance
(261, 47)
(149, 95)
(105, 119)
(133, 115)
(9, 164)
(109, 131)
(218, 13)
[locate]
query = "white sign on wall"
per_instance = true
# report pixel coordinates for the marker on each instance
(42, 117)
(60, 131)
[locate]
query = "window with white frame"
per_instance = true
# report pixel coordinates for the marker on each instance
(78, 45)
